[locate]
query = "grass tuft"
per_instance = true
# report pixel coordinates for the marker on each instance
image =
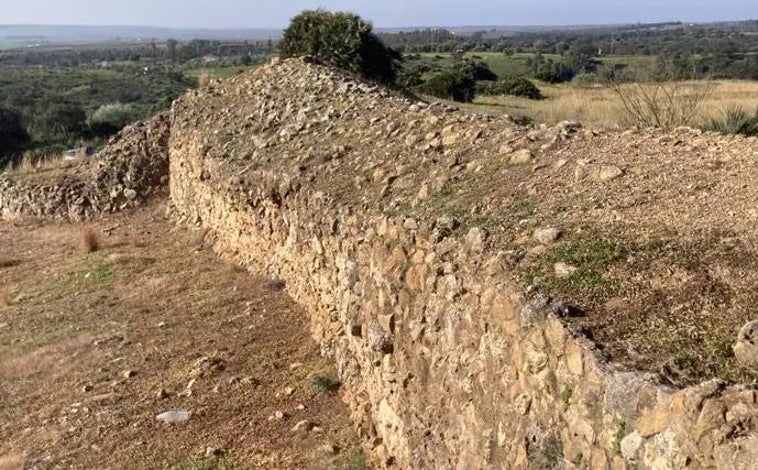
(207, 464)
(734, 120)
(326, 383)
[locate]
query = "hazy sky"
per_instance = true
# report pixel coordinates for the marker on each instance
(384, 13)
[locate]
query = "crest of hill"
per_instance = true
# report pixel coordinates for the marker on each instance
(655, 254)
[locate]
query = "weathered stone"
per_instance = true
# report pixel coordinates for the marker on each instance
(547, 236)
(475, 239)
(630, 446)
(608, 173)
(563, 270)
(653, 422)
(746, 347)
(521, 157)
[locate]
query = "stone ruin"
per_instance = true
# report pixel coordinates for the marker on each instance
(346, 191)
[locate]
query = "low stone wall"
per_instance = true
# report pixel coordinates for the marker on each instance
(129, 171)
(447, 365)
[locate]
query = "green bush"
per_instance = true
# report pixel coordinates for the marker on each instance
(520, 86)
(343, 40)
(13, 135)
(450, 85)
(111, 118)
(514, 86)
(734, 120)
(476, 70)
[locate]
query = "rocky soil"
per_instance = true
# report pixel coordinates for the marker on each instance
(646, 238)
(94, 347)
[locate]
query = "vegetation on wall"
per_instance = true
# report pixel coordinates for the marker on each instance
(343, 40)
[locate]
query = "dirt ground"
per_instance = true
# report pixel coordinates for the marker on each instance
(93, 346)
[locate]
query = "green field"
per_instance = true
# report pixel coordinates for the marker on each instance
(219, 72)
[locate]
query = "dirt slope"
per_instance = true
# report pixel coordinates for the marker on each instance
(94, 346)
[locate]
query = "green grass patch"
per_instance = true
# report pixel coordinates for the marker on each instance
(326, 383)
(589, 253)
(352, 459)
(618, 436)
(566, 395)
(92, 270)
(205, 464)
(590, 256)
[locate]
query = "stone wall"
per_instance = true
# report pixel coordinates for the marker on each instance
(446, 363)
(130, 170)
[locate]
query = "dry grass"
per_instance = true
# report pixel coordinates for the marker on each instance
(78, 328)
(599, 106)
(89, 240)
(11, 462)
(5, 300)
(203, 80)
(52, 164)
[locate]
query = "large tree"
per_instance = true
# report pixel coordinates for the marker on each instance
(13, 135)
(343, 40)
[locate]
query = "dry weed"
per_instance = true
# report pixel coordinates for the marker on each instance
(89, 240)
(5, 300)
(201, 239)
(204, 80)
(596, 105)
(11, 462)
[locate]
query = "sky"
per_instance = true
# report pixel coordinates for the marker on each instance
(383, 13)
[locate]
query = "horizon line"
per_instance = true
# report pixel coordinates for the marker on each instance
(483, 26)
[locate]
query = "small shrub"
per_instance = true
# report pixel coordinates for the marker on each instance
(662, 102)
(342, 40)
(111, 118)
(519, 86)
(515, 86)
(326, 383)
(476, 70)
(89, 241)
(734, 120)
(450, 85)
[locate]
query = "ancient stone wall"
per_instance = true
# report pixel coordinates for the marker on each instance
(306, 175)
(129, 171)
(447, 364)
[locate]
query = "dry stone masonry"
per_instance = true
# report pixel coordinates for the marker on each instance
(376, 212)
(132, 169)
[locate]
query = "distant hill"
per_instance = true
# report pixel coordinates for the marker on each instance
(21, 35)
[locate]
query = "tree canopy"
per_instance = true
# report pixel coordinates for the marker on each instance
(13, 134)
(343, 40)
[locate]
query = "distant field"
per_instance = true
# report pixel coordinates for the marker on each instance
(600, 107)
(219, 72)
(509, 65)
